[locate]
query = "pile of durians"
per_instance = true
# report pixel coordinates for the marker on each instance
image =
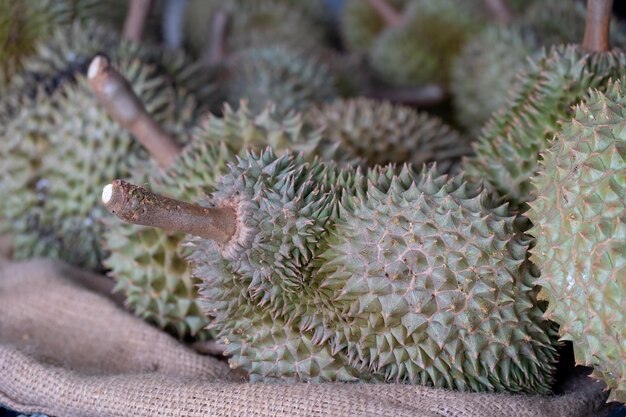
(420, 191)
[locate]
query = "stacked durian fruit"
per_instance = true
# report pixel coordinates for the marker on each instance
(301, 205)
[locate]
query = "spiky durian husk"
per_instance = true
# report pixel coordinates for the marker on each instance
(360, 24)
(80, 148)
(292, 295)
(252, 24)
(484, 73)
(430, 283)
(380, 133)
(420, 50)
(579, 221)
(24, 23)
(70, 48)
(508, 148)
(283, 75)
(149, 265)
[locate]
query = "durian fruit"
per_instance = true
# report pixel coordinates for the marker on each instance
(314, 274)
(380, 133)
(148, 264)
(24, 23)
(361, 24)
(289, 77)
(420, 49)
(484, 73)
(508, 147)
(579, 219)
(251, 24)
(78, 146)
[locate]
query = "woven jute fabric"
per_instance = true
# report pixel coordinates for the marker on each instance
(67, 349)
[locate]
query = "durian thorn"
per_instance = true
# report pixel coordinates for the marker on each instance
(136, 18)
(215, 50)
(499, 10)
(422, 96)
(598, 25)
(391, 16)
(137, 205)
(116, 95)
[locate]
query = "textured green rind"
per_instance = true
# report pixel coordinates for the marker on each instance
(24, 23)
(429, 283)
(380, 133)
(149, 265)
(252, 24)
(508, 148)
(70, 48)
(421, 49)
(579, 219)
(360, 24)
(285, 76)
(484, 73)
(81, 149)
(353, 298)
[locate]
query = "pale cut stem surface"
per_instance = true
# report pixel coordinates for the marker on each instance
(499, 10)
(115, 93)
(215, 50)
(598, 25)
(137, 205)
(388, 13)
(136, 18)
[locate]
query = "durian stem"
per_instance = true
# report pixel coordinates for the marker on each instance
(598, 25)
(116, 95)
(172, 21)
(215, 51)
(136, 18)
(423, 96)
(499, 10)
(137, 205)
(390, 15)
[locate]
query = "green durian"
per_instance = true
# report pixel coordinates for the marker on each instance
(484, 73)
(379, 133)
(149, 265)
(290, 78)
(579, 219)
(24, 23)
(75, 146)
(361, 24)
(420, 50)
(252, 24)
(337, 275)
(508, 147)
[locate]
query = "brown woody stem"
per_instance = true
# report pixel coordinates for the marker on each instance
(427, 95)
(136, 18)
(598, 25)
(499, 10)
(390, 15)
(116, 94)
(137, 205)
(216, 47)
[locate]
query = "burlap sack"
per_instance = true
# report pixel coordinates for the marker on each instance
(67, 350)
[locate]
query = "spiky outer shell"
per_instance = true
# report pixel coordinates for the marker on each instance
(380, 133)
(80, 148)
(286, 76)
(252, 24)
(374, 290)
(70, 48)
(579, 219)
(24, 23)
(360, 24)
(508, 148)
(484, 74)
(149, 265)
(421, 49)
